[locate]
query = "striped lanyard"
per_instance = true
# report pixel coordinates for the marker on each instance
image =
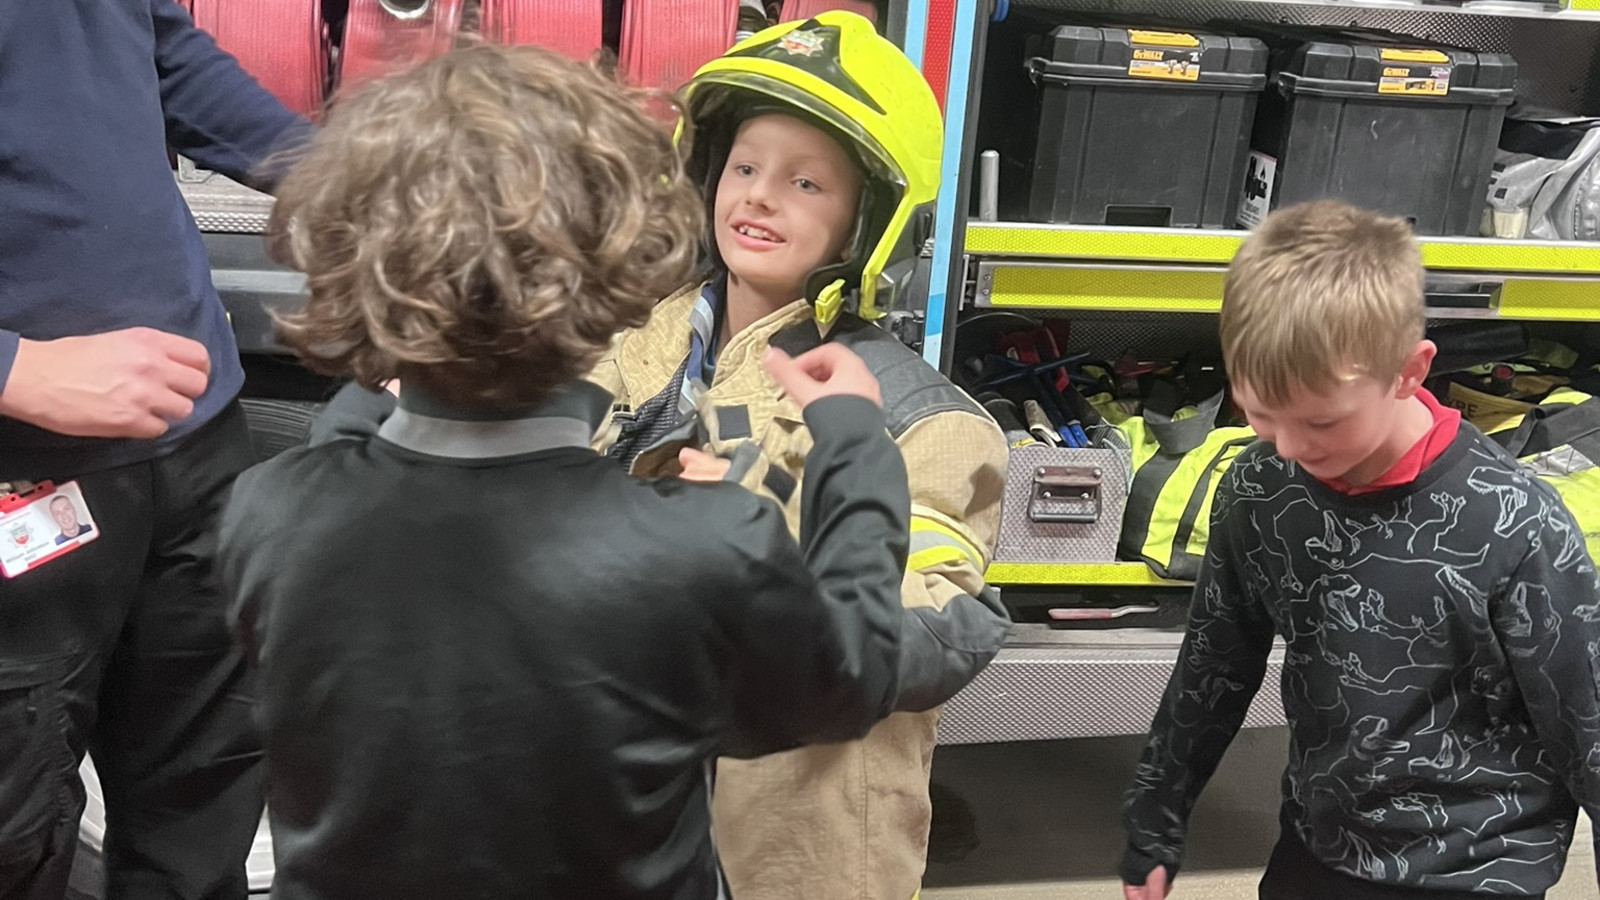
(701, 367)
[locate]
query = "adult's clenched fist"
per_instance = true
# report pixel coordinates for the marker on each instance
(132, 383)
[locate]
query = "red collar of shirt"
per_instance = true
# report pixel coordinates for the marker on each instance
(1446, 422)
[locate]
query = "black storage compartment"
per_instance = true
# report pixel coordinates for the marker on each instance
(1384, 121)
(1142, 127)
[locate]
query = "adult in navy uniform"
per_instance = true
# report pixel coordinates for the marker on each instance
(118, 371)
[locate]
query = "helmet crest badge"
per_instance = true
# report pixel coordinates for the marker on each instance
(802, 43)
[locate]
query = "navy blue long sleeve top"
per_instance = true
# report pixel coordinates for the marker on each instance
(94, 235)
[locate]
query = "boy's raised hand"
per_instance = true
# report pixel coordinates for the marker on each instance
(1155, 886)
(827, 371)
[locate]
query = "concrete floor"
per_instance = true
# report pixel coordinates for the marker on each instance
(1042, 821)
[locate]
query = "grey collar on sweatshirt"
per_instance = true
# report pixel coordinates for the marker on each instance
(567, 419)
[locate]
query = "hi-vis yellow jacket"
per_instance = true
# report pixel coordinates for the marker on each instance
(841, 821)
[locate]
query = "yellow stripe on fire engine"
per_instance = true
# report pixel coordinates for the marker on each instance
(1120, 574)
(1168, 290)
(1218, 248)
(1178, 290)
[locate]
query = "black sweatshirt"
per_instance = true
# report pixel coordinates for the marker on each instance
(1440, 679)
(495, 665)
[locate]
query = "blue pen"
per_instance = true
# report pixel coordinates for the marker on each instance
(1078, 433)
(1050, 398)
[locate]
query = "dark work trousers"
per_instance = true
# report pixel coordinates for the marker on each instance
(122, 648)
(1294, 874)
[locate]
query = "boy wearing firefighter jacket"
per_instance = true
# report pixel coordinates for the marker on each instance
(815, 143)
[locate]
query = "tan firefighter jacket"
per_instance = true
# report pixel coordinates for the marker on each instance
(841, 821)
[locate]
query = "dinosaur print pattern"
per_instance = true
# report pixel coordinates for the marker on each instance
(1441, 676)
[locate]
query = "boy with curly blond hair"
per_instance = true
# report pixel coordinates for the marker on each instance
(494, 665)
(1438, 606)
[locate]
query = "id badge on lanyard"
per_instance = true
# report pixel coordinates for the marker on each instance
(42, 524)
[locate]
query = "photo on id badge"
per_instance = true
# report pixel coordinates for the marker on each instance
(42, 524)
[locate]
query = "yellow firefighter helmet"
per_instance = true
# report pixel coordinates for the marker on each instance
(836, 70)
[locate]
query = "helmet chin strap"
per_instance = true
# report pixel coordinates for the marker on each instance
(832, 288)
(829, 302)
